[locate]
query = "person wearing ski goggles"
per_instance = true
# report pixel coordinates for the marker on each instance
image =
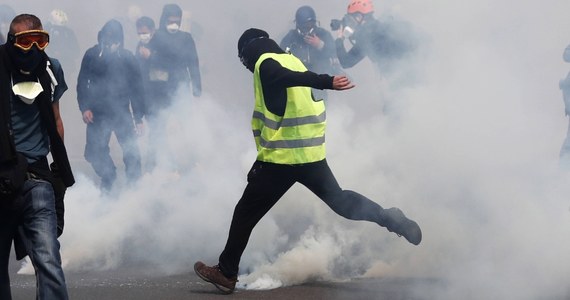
(25, 40)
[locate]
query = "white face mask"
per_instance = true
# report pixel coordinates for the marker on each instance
(172, 28)
(145, 37)
(27, 91)
(114, 47)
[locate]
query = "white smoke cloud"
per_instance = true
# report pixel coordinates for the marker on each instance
(470, 152)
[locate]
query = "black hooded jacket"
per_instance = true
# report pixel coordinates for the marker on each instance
(109, 82)
(175, 53)
(275, 79)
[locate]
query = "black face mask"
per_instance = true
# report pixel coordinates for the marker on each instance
(26, 61)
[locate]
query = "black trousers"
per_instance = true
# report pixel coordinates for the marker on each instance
(268, 182)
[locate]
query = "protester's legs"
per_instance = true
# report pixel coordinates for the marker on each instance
(97, 152)
(266, 184)
(319, 178)
(40, 231)
(126, 136)
(7, 229)
(354, 206)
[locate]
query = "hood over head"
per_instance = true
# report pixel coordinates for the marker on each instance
(252, 44)
(169, 10)
(111, 33)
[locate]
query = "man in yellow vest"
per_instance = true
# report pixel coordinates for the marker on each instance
(289, 130)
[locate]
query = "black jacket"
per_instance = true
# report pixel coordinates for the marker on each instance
(7, 147)
(383, 42)
(109, 82)
(316, 60)
(176, 54)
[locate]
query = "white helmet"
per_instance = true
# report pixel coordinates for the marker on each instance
(58, 17)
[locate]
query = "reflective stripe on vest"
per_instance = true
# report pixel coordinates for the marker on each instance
(298, 136)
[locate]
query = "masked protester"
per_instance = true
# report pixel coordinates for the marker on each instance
(313, 45)
(30, 128)
(385, 43)
(289, 130)
(108, 87)
(173, 67)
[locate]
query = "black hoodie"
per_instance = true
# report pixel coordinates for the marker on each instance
(175, 53)
(109, 82)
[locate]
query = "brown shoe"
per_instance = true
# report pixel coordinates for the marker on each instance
(214, 276)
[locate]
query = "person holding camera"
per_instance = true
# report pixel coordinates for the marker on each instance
(313, 45)
(109, 85)
(30, 128)
(383, 42)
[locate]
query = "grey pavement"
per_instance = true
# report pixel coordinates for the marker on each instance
(134, 283)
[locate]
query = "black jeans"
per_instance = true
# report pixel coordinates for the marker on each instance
(97, 150)
(268, 182)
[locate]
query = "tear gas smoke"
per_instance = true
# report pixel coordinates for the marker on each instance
(469, 150)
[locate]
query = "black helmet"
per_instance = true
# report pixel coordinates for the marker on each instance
(305, 14)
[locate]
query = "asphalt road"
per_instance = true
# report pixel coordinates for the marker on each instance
(133, 283)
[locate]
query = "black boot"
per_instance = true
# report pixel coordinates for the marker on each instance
(395, 221)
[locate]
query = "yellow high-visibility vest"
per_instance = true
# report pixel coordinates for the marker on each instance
(297, 137)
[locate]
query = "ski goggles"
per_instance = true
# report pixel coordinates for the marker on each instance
(25, 40)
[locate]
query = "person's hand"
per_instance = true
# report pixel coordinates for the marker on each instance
(314, 41)
(339, 34)
(144, 52)
(88, 116)
(342, 83)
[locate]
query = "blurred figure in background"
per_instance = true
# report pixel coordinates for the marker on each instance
(110, 94)
(173, 67)
(313, 45)
(7, 13)
(145, 30)
(63, 42)
(565, 87)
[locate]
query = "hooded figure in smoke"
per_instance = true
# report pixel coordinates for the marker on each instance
(108, 86)
(289, 131)
(174, 59)
(172, 67)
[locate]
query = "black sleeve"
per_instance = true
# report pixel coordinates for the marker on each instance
(137, 93)
(83, 97)
(350, 58)
(274, 75)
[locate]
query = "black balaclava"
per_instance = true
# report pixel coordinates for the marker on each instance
(252, 44)
(25, 62)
